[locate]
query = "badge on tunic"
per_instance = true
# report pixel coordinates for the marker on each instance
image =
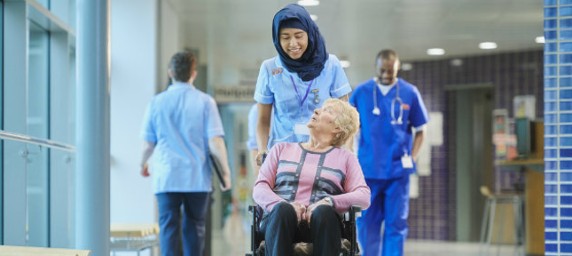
(316, 93)
(276, 71)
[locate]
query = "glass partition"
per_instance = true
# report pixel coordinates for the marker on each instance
(37, 190)
(37, 132)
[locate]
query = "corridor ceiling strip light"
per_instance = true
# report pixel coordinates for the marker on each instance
(488, 45)
(308, 2)
(539, 39)
(345, 63)
(456, 62)
(406, 66)
(435, 51)
(314, 17)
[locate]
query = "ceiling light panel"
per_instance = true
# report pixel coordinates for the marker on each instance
(435, 51)
(308, 2)
(488, 45)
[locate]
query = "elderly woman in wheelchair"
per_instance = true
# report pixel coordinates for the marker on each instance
(304, 188)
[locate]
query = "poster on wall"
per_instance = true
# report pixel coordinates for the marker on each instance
(503, 139)
(525, 106)
(413, 186)
(433, 137)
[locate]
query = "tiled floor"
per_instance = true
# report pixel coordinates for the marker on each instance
(440, 248)
(238, 245)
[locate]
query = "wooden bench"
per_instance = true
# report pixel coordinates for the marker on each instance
(134, 237)
(6, 250)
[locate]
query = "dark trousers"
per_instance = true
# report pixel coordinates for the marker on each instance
(281, 231)
(194, 210)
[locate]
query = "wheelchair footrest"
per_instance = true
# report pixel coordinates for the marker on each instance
(303, 249)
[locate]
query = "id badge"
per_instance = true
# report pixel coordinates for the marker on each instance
(301, 129)
(407, 161)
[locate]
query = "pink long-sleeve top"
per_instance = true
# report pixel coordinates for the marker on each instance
(291, 173)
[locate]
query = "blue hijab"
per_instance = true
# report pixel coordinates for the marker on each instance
(312, 61)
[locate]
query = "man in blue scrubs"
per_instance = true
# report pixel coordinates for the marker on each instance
(182, 125)
(393, 117)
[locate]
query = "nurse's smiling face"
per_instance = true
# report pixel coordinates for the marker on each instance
(294, 42)
(387, 70)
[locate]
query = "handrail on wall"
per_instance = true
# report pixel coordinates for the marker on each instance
(36, 141)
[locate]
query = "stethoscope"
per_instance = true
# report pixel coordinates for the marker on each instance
(397, 100)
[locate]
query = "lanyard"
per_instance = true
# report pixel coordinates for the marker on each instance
(298, 94)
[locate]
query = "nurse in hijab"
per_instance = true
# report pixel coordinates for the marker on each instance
(297, 81)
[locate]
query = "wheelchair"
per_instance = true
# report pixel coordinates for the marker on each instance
(348, 230)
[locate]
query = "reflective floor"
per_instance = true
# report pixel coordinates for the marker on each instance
(238, 245)
(235, 242)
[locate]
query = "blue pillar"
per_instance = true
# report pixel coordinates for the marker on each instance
(92, 127)
(558, 126)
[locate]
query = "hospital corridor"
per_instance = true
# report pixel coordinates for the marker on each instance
(446, 122)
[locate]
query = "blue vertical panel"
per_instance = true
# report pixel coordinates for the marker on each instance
(556, 100)
(92, 128)
(1, 118)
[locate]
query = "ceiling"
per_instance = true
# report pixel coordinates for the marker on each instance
(357, 29)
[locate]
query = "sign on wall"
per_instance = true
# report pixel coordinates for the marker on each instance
(234, 94)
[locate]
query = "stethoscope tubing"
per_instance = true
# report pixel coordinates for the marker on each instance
(376, 111)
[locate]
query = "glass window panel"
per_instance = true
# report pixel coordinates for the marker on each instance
(62, 196)
(71, 96)
(37, 126)
(62, 102)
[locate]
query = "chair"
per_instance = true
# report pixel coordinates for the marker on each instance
(492, 200)
(348, 230)
(134, 238)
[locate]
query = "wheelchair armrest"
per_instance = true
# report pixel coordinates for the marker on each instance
(355, 208)
(255, 238)
(352, 213)
(251, 208)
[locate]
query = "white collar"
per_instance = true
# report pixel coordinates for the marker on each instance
(384, 88)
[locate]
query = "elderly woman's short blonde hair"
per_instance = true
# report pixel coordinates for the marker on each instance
(347, 119)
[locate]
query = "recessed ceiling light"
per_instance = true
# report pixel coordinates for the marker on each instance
(456, 62)
(314, 17)
(435, 51)
(539, 39)
(308, 2)
(488, 45)
(406, 66)
(345, 63)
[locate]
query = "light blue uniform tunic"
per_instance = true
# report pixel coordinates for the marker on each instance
(180, 121)
(293, 102)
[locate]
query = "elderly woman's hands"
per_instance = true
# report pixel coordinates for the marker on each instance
(300, 210)
(312, 207)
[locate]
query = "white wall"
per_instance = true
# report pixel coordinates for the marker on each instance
(134, 45)
(169, 42)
